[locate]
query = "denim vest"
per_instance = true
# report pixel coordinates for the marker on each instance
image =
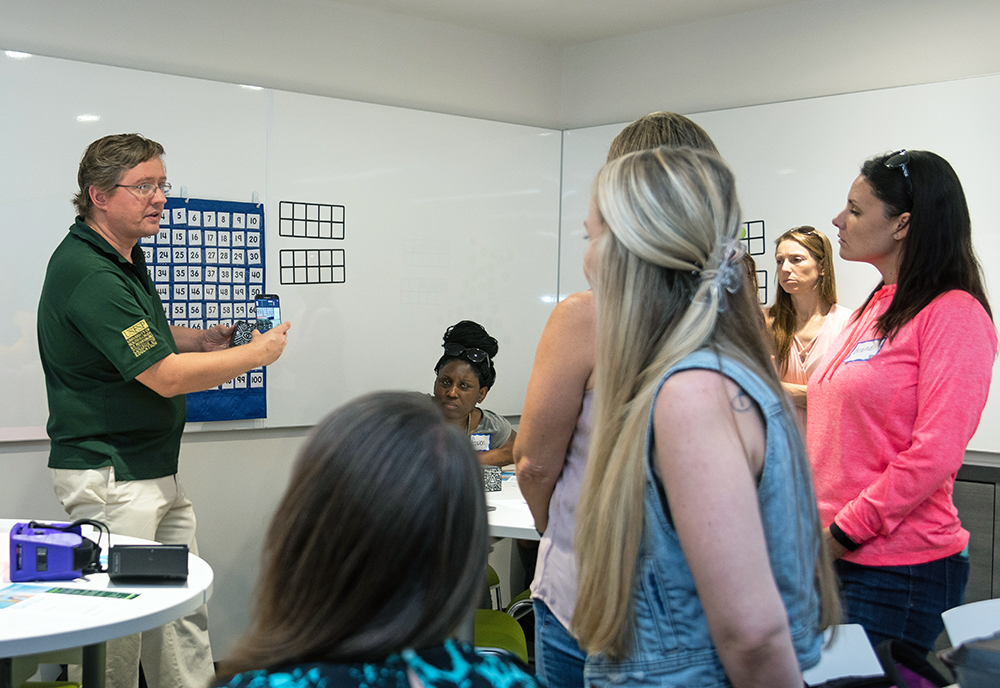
(671, 643)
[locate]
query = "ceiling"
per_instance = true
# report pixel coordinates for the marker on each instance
(565, 22)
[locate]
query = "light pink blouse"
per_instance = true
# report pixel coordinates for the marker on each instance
(555, 570)
(803, 361)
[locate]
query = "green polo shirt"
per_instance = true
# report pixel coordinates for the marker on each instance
(101, 323)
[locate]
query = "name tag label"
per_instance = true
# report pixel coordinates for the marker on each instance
(865, 350)
(480, 442)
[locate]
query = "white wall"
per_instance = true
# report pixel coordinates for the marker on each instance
(308, 46)
(802, 50)
(807, 49)
(235, 485)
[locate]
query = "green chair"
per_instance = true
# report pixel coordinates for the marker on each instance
(24, 667)
(520, 605)
(493, 584)
(498, 633)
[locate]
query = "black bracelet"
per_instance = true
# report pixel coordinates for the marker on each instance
(841, 537)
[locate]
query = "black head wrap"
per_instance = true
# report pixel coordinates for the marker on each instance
(470, 335)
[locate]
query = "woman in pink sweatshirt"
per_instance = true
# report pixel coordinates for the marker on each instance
(898, 397)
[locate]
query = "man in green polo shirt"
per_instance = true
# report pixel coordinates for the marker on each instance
(116, 374)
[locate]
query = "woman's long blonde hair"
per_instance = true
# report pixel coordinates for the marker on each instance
(671, 219)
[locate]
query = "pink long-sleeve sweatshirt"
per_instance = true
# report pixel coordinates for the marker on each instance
(889, 422)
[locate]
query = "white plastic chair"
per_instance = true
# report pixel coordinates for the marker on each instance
(971, 621)
(850, 655)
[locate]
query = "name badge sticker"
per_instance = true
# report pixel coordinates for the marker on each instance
(864, 351)
(481, 442)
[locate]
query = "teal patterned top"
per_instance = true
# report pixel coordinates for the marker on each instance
(450, 665)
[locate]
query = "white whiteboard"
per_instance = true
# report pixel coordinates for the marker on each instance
(214, 135)
(795, 161)
(462, 211)
(448, 218)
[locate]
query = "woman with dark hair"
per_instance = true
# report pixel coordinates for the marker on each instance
(805, 318)
(465, 374)
(894, 404)
(374, 557)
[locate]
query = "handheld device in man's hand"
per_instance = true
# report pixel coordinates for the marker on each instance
(268, 315)
(268, 312)
(242, 333)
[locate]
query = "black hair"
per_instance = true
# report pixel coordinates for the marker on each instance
(379, 543)
(937, 254)
(472, 335)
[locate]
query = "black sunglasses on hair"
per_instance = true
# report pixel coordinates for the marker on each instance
(474, 355)
(901, 159)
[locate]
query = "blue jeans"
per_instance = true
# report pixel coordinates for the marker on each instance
(903, 601)
(558, 658)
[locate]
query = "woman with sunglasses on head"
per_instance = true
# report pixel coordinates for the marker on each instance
(805, 317)
(382, 486)
(699, 550)
(894, 404)
(465, 374)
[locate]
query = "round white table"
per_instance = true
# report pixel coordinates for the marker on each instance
(511, 516)
(47, 621)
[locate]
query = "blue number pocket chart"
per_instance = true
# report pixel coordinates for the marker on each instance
(207, 263)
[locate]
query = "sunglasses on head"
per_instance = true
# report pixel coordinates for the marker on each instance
(901, 159)
(474, 355)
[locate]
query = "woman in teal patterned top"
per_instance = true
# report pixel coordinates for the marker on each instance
(374, 557)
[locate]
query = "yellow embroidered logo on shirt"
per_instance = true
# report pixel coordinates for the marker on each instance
(139, 338)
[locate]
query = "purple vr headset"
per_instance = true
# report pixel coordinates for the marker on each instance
(53, 551)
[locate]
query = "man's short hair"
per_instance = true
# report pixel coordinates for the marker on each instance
(106, 161)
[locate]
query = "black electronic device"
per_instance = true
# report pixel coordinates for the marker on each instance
(148, 563)
(268, 311)
(242, 333)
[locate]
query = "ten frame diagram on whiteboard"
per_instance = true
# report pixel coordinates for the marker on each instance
(207, 263)
(312, 221)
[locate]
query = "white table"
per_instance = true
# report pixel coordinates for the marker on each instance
(51, 624)
(971, 621)
(511, 516)
(851, 654)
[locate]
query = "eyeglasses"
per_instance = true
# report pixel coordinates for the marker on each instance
(901, 159)
(474, 355)
(146, 190)
(804, 229)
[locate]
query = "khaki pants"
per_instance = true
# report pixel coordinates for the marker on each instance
(174, 655)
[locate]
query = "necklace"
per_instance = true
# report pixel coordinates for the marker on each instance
(468, 424)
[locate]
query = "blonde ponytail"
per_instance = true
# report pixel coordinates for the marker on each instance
(669, 281)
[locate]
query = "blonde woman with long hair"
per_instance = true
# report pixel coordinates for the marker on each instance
(698, 541)
(554, 435)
